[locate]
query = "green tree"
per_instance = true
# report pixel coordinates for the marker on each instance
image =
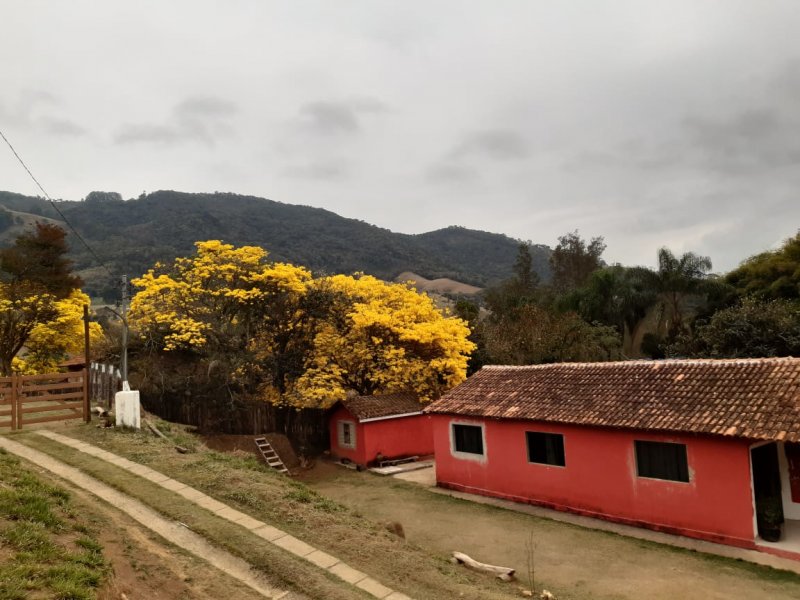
(616, 296)
(38, 259)
(573, 260)
(751, 329)
(518, 290)
(774, 274)
(534, 334)
(34, 277)
(678, 281)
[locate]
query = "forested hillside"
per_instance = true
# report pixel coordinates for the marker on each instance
(130, 236)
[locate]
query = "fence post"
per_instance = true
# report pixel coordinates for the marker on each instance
(87, 363)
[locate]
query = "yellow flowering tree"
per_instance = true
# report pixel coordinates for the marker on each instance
(382, 337)
(228, 306)
(36, 285)
(53, 340)
(237, 325)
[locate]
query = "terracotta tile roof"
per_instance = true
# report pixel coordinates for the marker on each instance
(750, 398)
(386, 405)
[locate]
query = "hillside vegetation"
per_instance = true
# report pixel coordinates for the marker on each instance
(130, 236)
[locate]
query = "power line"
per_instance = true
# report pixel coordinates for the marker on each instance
(58, 210)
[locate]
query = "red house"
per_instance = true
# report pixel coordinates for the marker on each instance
(703, 448)
(391, 426)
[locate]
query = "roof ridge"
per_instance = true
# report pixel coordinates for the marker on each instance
(638, 361)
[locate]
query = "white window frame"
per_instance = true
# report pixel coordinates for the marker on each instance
(468, 455)
(340, 433)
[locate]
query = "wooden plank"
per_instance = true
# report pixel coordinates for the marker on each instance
(51, 397)
(5, 412)
(53, 419)
(53, 386)
(51, 408)
(48, 376)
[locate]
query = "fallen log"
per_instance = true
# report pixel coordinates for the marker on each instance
(504, 573)
(157, 432)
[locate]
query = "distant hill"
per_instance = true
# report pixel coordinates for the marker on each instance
(443, 285)
(130, 236)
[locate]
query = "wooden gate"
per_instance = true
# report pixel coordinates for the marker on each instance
(29, 399)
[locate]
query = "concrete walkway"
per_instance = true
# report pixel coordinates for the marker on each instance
(269, 533)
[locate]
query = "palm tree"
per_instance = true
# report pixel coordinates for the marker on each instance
(677, 280)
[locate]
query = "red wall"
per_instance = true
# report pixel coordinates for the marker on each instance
(393, 438)
(600, 479)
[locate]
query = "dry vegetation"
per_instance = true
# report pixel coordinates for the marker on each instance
(243, 482)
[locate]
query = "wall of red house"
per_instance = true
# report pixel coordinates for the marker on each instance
(354, 454)
(393, 438)
(600, 477)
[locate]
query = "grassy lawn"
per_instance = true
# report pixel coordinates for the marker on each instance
(573, 561)
(344, 512)
(246, 484)
(46, 548)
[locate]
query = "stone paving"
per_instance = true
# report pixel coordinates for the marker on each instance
(269, 533)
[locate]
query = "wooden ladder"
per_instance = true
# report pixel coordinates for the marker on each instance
(272, 458)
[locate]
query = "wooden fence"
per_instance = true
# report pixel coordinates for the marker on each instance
(307, 428)
(30, 399)
(106, 381)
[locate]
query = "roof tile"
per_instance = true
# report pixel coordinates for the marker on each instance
(754, 398)
(385, 405)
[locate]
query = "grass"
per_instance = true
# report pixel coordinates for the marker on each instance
(243, 482)
(45, 547)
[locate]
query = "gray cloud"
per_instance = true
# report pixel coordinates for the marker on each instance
(752, 139)
(451, 173)
(205, 106)
(318, 171)
(63, 127)
(338, 117)
(329, 117)
(497, 144)
(196, 119)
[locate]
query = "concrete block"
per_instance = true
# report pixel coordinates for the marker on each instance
(128, 410)
(347, 573)
(269, 533)
(293, 545)
(322, 559)
(374, 588)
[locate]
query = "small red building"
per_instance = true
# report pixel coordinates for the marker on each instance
(391, 426)
(703, 448)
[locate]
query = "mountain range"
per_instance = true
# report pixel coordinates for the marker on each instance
(129, 236)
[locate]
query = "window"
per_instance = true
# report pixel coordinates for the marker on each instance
(468, 438)
(661, 460)
(545, 448)
(347, 434)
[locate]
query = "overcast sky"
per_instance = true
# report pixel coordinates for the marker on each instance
(670, 123)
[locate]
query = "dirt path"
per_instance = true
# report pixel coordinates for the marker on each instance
(572, 561)
(144, 567)
(171, 531)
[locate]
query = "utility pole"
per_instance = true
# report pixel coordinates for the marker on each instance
(124, 358)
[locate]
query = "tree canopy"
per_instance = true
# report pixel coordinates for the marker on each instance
(573, 260)
(270, 331)
(774, 274)
(41, 309)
